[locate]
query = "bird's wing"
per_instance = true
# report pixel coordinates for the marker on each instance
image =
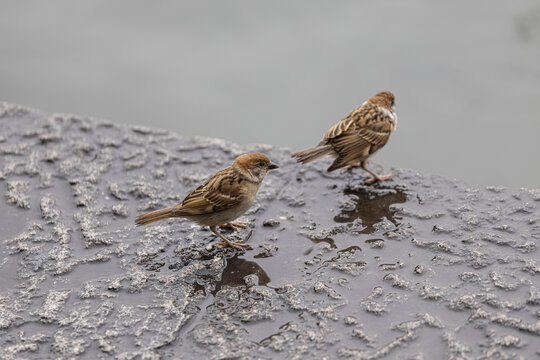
(338, 129)
(376, 133)
(218, 193)
(369, 129)
(368, 124)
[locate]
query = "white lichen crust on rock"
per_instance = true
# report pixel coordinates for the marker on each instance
(417, 267)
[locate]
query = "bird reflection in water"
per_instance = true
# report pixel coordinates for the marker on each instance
(372, 205)
(235, 271)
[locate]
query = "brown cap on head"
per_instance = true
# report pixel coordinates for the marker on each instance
(250, 160)
(384, 99)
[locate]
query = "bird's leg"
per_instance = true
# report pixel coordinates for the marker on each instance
(234, 225)
(349, 167)
(375, 176)
(226, 242)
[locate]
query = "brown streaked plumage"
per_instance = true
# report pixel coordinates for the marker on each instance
(354, 139)
(225, 196)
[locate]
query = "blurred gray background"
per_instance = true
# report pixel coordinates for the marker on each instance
(466, 74)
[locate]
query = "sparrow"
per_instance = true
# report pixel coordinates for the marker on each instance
(354, 139)
(221, 199)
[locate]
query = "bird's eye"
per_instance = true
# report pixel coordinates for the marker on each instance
(262, 164)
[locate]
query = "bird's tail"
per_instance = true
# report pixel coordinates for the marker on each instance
(308, 155)
(155, 215)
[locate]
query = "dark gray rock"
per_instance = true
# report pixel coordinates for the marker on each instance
(420, 267)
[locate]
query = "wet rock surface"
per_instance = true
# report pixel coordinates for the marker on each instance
(419, 267)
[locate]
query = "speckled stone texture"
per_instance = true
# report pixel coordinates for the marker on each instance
(419, 267)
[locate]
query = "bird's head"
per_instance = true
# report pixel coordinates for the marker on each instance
(253, 166)
(384, 99)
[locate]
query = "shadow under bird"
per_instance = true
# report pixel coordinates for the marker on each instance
(354, 139)
(221, 199)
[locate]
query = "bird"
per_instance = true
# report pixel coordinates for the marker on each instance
(354, 139)
(221, 199)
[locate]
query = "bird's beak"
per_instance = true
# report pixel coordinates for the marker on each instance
(272, 166)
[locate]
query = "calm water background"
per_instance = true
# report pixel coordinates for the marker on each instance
(466, 73)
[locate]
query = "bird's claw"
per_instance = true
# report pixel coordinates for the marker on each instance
(234, 244)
